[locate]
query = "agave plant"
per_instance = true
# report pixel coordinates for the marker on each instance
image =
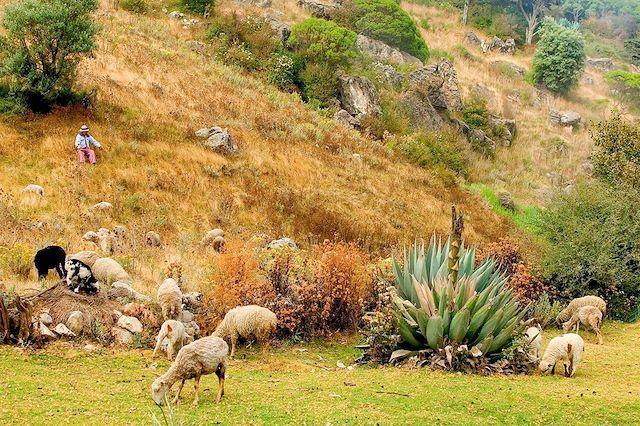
(443, 298)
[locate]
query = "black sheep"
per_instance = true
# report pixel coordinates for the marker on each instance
(50, 257)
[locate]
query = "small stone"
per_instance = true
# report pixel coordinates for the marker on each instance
(121, 336)
(103, 205)
(63, 331)
(46, 319)
(131, 324)
(340, 364)
(203, 133)
(75, 322)
(176, 15)
(283, 242)
(46, 333)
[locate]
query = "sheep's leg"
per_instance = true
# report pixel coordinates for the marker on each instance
(177, 398)
(553, 370)
(577, 327)
(159, 340)
(196, 385)
(59, 270)
(220, 373)
(265, 346)
(596, 328)
(234, 340)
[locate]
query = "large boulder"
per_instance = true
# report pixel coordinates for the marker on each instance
(45, 333)
(219, 140)
(320, 9)
(131, 324)
(121, 336)
(601, 64)
(417, 107)
(359, 97)
(503, 129)
(472, 39)
(380, 51)
(388, 74)
(565, 118)
(441, 82)
(63, 331)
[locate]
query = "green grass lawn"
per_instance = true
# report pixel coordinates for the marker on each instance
(299, 384)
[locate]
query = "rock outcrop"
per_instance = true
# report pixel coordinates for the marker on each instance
(507, 47)
(601, 64)
(389, 75)
(343, 117)
(359, 97)
(417, 107)
(565, 118)
(219, 140)
(441, 82)
(320, 9)
(279, 26)
(380, 51)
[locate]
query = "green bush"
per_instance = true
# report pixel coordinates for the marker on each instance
(198, 6)
(135, 6)
(616, 155)
(282, 71)
(43, 42)
(424, 23)
(594, 247)
(323, 47)
(437, 149)
(386, 21)
(633, 48)
(558, 62)
(475, 113)
(626, 84)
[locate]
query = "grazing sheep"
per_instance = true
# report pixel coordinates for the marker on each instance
(210, 236)
(245, 322)
(192, 300)
(204, 356)
(567, 348)
(50, 257)
(153, 239)
(170, 299)
(80, 278)
(103, 205)
(174, 332)
(534, 339)
(587, 315)
(87, 257)
(35, 189)
(573, 306)
(109, 271)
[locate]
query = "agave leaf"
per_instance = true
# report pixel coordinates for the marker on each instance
(407, 333)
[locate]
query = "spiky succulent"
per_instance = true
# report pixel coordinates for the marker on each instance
(474, 308)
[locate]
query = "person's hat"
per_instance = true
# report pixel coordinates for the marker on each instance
(84, 128)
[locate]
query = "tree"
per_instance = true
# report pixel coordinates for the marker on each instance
(559, 59)
(44, 41)
(532, 11)
(616, 156)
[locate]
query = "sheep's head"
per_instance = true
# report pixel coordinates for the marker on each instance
(159, 389)
(90, 236)
(544, 366)
(566, 325)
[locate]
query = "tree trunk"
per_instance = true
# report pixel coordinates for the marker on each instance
(465, 12)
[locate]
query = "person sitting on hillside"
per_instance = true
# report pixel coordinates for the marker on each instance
(83, 145)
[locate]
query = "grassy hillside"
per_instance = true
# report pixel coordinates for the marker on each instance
(300, 384)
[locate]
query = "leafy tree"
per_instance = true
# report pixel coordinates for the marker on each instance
(386, 21)
(559, 59)
(43, 42)
(532, 11)
(616, 156)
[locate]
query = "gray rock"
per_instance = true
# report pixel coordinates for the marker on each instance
(75, 322)
(587, 167)
(283, 242)
(483, 91)
(46, 319)
(319, 9)
(138, 297)
(359, 96)
(45, 332)
(506, 201)
(203, 133)
(280, 27)
(220, 140)
(196, 46)
(503, 128)
(481, 143)
(176, 15)
(389, 74)
(571, 118)
(131, 324)
(507, 46)
(63, 331)
(103, 205)
(416, 106)
(441, 82)
(380, 51)
(601, 64)
(121, 336)
(116, 314)
(192, 300)
(472, 39)
(343, 117)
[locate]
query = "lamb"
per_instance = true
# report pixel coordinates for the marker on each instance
(204, 356)
(534, 338)
(567, 348)
(174, 332)
(109, 271)
(87, 257)
(79, 277)
(245, 322)
(170, 299)
(573, 306)
(587, 315)
(35, 189)
(153, 239)
(50, 257)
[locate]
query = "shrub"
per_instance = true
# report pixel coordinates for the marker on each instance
(135, 6)
(616, 155)
(42, 44)
(475, 113)
(282, 71)
(379, 327)
(437, 53)
(633, 48)
(436, 149)
(198, 6)
(544, 312)
(386, 21)
(559, 59)
(17, 259)
(626, 84)
(594, 245)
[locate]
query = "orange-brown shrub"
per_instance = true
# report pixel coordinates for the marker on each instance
(525, 284)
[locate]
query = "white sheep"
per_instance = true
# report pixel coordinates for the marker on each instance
(575, 304)
(210, 236)
(245, 322)
(170, 299)
(204, 356)
(174, 332)
(35, 189)
(153, 239)
(103, 205)
(86, 256)
(587, 315)
(534, 340)
(567, 348)
(90, 236)
(109, 271)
